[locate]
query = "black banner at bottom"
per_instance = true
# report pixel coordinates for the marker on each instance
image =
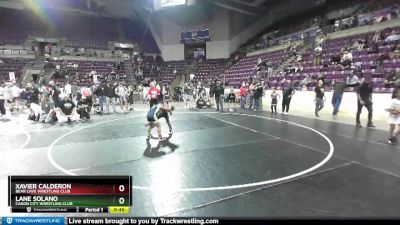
(213, 221)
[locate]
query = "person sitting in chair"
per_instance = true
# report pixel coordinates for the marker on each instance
(200, 103)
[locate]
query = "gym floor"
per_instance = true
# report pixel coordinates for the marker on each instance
(243, 164)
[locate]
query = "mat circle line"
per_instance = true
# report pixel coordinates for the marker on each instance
(254, 184)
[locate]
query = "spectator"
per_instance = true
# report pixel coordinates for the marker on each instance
(364, 98)
(251, 94)
(393, 80)
(288, 92)
(99, 92)
(374, 48)
(320, 40)
(68, 89)
(365, 42)
(395, 52)
(219, 96)
(55, 92)
(274, 100)
(394, 116)
(66, 112)
(232, 100)
(306, 81)
(48, 112)
(153, 94)
(187, 92)
(394, 12)
(337, 25)
(200, 89)
(352, 81)
(14, 93)
(2, 100)
(354, 21)
(321, 78)
(32, 95)
(122, 92)
(130, 98)
(377, 37)
(242, 94)
(317, 55)
(335, 59)
(347, 59)
(258, 93)
(83, 108)
(74, 90)
(140, 90)
(357, 45)
(109, 93)
(337, 96)
(319, 98)
(392, 37)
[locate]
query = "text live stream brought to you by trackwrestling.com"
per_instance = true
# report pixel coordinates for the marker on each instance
(107, 220)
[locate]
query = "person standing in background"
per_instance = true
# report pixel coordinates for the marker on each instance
(140, 91)
(187, 91)
(338, 88)
(242, 94)
(33, 101)
(319, 98)
(122, 92)
(15, 92)
(212, 91)
(258, 92)
(364, 98)
(288, 92)
(251, 94)
(55, 92)
(99, 92)
(219, 96)
(274, 100)
(394, 116)
(130, 98)
(232, 100)
(68, 89)
(110, 97)
(2, 100)
(74, 91)
(153, 94)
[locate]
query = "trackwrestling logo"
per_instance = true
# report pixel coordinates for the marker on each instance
(33, 220)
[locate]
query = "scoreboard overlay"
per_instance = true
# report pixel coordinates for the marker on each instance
(79, 194)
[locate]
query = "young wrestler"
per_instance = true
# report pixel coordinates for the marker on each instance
(155, 113)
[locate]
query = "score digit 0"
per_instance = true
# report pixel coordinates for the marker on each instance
(121, 188)
(121, 200)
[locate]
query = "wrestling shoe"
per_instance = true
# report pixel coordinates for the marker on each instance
(392, 141)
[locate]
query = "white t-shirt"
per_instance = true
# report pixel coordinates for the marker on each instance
(15, 92)
(121, 91)
(67, 89)
(394, 118)
(393, 37)
(348, 56)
